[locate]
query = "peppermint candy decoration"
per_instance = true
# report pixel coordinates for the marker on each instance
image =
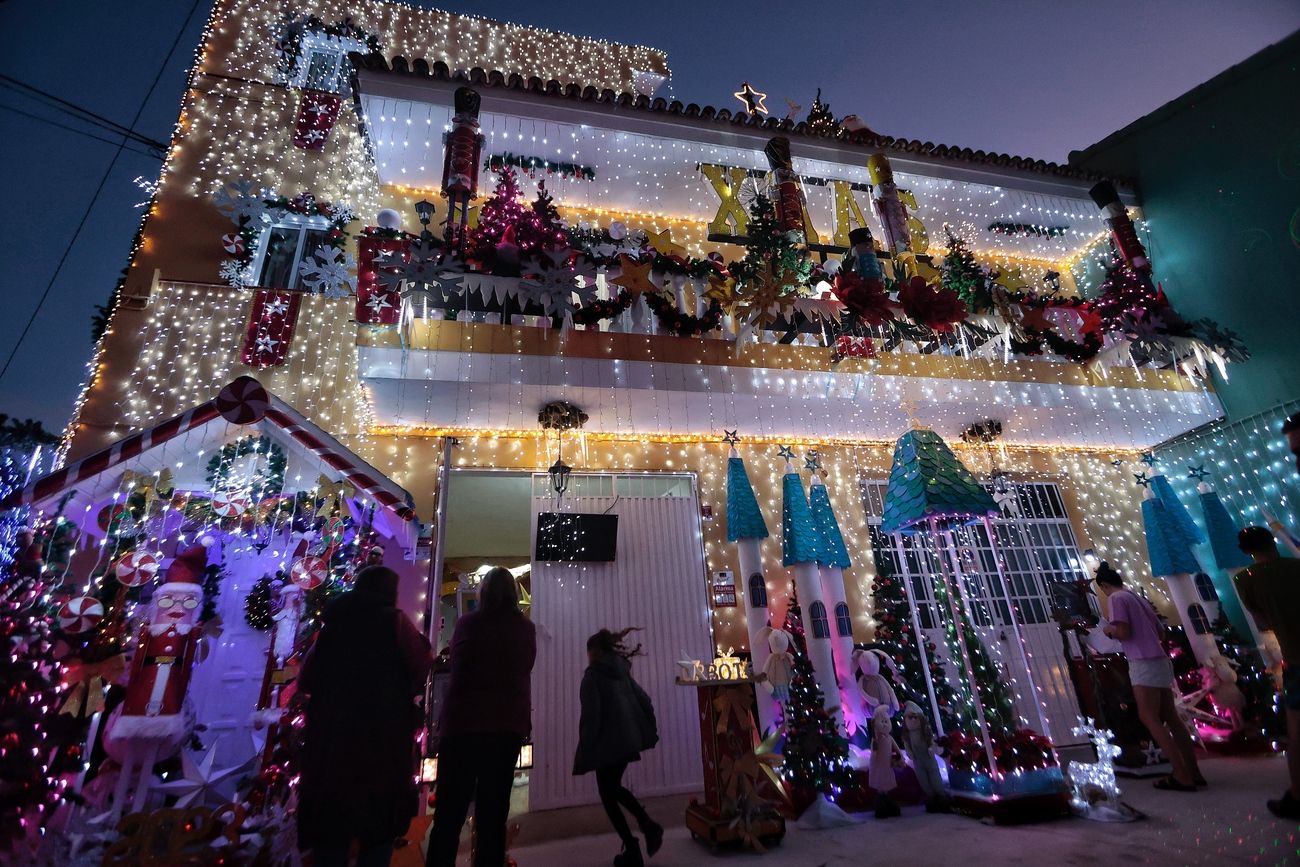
(309, 572)
(137, 568)
(80, 615)
(230, 505)
(233, 243)
(244, 401)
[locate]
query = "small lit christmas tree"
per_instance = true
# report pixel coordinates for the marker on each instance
(816, 754)
(1130, 303)
(962, 274)
(509, 231)
(994, 695)
(895, 635)
(1261, 717)
(820, 121)
(766, 245)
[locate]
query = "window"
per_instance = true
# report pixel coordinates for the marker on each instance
(1205, 588)
(757, 591)
(820, 626)
(323, 62)
(1196, 616)
(284, 247)
(843, 623)
(1038, 552)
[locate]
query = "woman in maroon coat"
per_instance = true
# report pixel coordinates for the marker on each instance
(362, 679)
(486, 717)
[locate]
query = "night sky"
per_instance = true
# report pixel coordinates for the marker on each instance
(1033, 79)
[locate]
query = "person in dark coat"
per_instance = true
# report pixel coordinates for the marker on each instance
(362, 679)
(486, 717)
(616, 726)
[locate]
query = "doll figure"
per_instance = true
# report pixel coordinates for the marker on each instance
(918, 742)
(1221, 678)
(877, 690)
(779, 668)
(862, 258)
(884, 756)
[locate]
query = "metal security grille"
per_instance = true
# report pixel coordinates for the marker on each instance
(1034, 537)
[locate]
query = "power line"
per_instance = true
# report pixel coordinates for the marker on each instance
(70, 128)
(99, 189)
(80, 113)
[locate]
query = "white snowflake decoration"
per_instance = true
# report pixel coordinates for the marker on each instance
(418, 275)
(240, 202)
(1007, 499)
(343, 214)
(327, 273)
(237, 274)
(551, 285)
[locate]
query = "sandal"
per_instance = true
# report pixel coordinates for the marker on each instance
(1169, 784)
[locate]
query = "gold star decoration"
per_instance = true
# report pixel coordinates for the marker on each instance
(751, 99)
(1011, 280)
(634, 276)
(723, 291)
(662, 242)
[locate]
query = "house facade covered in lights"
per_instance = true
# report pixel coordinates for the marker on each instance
(625, 346)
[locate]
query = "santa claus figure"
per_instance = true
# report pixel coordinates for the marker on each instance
(152, 722)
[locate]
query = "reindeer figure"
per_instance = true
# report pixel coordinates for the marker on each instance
(1091, 778)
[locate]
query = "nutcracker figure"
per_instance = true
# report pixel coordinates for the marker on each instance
(862, 258)
(889, 207)
(464, 148)
(786, 193)
(1122, 230)
(154, 720)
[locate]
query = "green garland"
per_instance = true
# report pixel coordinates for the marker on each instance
(267, 482)
(497, 162)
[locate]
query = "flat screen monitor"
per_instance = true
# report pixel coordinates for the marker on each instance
(576, 537)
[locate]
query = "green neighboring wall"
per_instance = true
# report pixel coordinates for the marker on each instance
(1218, 171)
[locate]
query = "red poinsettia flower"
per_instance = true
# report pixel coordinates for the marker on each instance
(866, 299)
(936, 307)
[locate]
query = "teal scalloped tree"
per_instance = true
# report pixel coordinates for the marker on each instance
(816, 754)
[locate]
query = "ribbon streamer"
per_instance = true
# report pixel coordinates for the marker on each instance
(87, 681)
(332, 495)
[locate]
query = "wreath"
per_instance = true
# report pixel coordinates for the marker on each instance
(267, 481)
(531, 165)
(673, 321)
(561, 415)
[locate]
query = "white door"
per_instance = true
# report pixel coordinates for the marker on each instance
(656, 582)
(1037, 548)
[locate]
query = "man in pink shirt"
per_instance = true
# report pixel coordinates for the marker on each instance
(1134, 624)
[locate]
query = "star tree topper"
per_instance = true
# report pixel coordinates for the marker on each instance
(812, 461)
(1142, 479)
(1198, 472)
(1149, 459)
(786, 452)
(730, 437)
(751, 99)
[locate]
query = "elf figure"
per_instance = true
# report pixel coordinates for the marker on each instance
(884, 757)
(918, 741)
(152, 722)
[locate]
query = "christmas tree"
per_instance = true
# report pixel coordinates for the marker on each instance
(994, 695)
(1130, 303)
(820, 121)
(895, 635)
(816, 754)
(768, 247)
(962, 274)
(1261, 717)
(508, 231)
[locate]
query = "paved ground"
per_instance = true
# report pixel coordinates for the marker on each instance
(1224, 824)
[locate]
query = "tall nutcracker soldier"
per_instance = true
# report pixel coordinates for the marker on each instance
(153, 720)
(787, 196)
(889, 207)
(464, 148)
(1122, 230)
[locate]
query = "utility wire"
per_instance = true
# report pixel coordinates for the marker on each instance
(99, 189)
(80, 113)
(70, 128)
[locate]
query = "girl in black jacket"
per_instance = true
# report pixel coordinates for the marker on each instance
(617, 723)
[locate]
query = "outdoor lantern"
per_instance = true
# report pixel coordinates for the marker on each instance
(559, 473)
(424, 208)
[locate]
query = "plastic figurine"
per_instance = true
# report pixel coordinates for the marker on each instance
(884, 757)
(877, 691)
(153, 720)
(918, 742)
(862, 258)
(460, 166)
(787, 196)
(779, 668)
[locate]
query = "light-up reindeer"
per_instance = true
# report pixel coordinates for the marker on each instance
(1099, 775)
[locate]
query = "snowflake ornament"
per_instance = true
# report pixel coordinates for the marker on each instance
(237, 274)
(240, 202)
(327, 273)
(343, 214)
(418, 275)
(551, 285)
